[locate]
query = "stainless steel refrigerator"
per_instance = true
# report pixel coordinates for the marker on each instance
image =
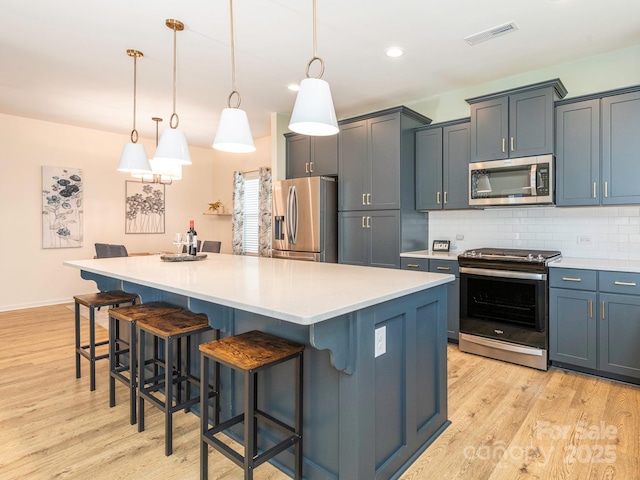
(305, 219)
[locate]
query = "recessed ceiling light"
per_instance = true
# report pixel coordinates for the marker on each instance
(394, 52)
(294, 87)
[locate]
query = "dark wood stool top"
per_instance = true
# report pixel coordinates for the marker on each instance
(102, 299)
(251, 350)
(132, 313)
(173, 324)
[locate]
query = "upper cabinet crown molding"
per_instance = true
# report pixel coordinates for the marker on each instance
(557, 85)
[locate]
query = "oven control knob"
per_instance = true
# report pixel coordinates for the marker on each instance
(473, 253)
(530, 257)
(540, 258)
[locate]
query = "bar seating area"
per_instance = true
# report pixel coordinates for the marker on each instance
(175, 387)
(250, 353)
(122, 347)
(94, 301)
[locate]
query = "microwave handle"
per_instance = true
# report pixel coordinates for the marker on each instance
(533, 180)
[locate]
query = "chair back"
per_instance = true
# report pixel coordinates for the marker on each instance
(105, 250)
(211, 246)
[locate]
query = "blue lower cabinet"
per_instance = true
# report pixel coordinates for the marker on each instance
(595, 328)
(453, 288)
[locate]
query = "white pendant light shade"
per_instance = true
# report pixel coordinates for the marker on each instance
(173, 147)
(313, 113)
(234, 132)
(134, 159)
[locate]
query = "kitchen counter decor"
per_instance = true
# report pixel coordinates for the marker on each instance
(182, 257)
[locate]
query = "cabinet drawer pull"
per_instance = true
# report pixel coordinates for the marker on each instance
(306, 167)
(571, 279)
(606, 189)
(504, 142)
(590, 308)
(438, 198)
(363, 222)
(626, 284)
(445, 197)
(443, 268)
(364, 198)
(594, 189)
(603, 310)
(512, 144)
(413, 265)
(311, 167)
(368, 222)
(368, 199)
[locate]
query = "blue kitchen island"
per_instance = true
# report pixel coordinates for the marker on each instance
(375, 373)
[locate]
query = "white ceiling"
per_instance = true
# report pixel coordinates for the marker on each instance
(65, 61)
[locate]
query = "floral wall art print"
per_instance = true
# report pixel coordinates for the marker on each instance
(62, 190)
(144, 207)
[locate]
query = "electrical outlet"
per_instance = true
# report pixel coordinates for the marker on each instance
(381, 341)
(584, 239)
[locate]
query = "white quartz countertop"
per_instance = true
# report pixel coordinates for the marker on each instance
(295, 291)
(597, 264)
(433, 255)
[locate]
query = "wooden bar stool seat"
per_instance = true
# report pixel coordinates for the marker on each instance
(250, 353)
(93, 301)
(174, 329)
(122, 347)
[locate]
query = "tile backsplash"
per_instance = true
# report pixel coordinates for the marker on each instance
(590, 232)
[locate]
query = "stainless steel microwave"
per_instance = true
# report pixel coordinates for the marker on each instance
(515, 181)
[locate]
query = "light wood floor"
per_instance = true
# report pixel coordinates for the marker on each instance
(508, 422)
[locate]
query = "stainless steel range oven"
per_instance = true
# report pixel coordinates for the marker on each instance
(504, 307)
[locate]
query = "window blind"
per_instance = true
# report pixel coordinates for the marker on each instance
(250, 215)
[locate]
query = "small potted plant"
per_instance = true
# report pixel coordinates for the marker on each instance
(217, 207)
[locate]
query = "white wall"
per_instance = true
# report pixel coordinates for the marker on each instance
(31, 275)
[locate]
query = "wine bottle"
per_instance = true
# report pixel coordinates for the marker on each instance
(192, 235)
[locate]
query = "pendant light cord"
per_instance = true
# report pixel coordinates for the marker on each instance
(134, 132)
(233, 61)
(175, 79)
(315, 47)
(135, 54)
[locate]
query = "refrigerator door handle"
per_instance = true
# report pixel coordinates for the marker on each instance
(294, 214)
(288, 218)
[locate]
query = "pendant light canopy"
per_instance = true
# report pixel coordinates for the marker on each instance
(173, 147)
(234, 132)
(134, 157)
(162, 171)
(313, 112)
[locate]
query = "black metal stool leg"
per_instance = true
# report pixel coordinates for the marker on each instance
(168, 400)
(299, 416)
(77, 324)
(113, 347)
(141, 381)
(133, 374)
(249, 423)
(92, 348)
(204, 416)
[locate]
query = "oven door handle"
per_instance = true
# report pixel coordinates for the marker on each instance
(486, 272)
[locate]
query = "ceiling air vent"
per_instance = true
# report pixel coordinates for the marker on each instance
(491, 33)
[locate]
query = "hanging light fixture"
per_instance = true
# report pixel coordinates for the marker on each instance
(134, 157)
(234, 132)
(161, 171)
(313, 112)
(173, 143)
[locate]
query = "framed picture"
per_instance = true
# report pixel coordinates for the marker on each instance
(62, 190)
(144, 207)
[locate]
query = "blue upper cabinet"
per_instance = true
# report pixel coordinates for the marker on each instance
(442, 166)
(621, 149)
(578, 153)
(514, 123)
(311, 156)
(597, 145)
